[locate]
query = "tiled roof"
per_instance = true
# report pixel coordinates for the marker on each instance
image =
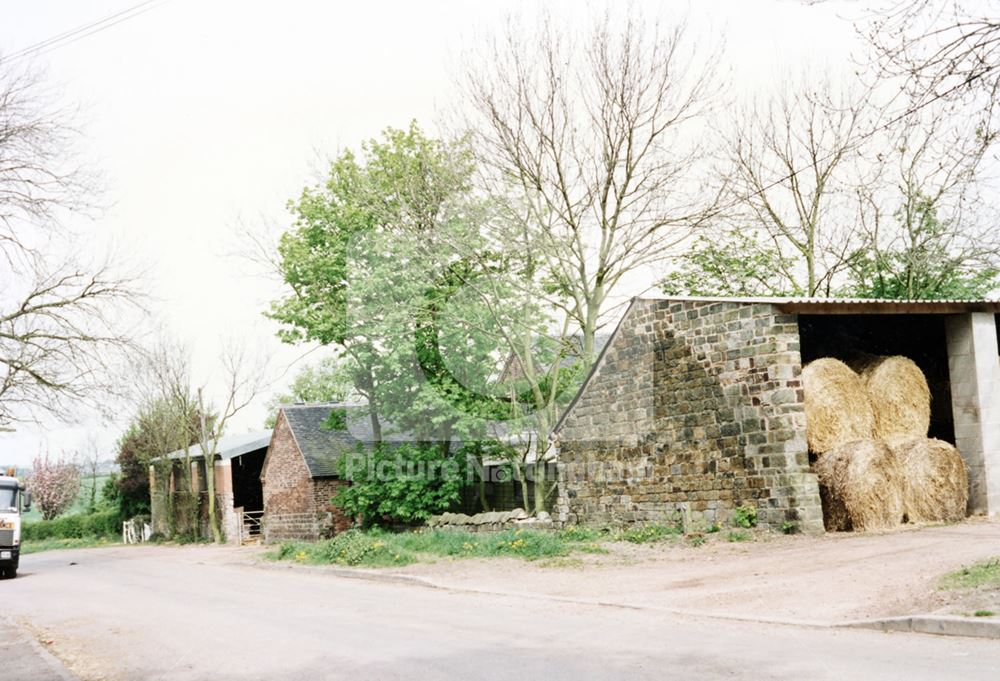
(321, 446)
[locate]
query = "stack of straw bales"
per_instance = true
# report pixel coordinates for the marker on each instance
(876, 466)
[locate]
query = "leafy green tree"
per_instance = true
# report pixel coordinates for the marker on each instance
(355, 265)
(400, 483)
(372, 267)
(157, 429)
(924, 265)
(426, 289)
(734, 264)
(326, 381)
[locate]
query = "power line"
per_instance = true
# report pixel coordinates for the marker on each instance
(83, 31)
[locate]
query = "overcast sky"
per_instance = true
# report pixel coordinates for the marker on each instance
(199, 114)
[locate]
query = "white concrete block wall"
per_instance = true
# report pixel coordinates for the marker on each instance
(974, 367)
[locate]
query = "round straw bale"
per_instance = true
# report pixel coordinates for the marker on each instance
(838, 409)
(899, 395)
(935, 480)
(860, 486)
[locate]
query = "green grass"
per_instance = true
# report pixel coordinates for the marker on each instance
(652, 532)
(738, 535)
(80, 504)
(376, 548)
(583, 533)
(980, 575)
(379, 548)
(72, 543)
(983, 613)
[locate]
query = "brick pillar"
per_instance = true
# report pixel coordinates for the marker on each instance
(974, 368)
(230, 519)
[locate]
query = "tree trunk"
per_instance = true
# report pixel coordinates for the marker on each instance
(522, 479)
(539, 501)
(213, 520)
(209, 457)
(594, 304)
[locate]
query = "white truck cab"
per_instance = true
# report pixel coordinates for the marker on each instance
(13, 499)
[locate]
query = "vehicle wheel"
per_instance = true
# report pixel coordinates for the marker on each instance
(3, 573)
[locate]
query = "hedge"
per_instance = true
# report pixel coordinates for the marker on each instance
(77, 526)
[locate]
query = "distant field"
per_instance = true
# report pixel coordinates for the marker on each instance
(82, 499)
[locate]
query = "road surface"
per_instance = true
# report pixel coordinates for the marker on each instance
(193, 613)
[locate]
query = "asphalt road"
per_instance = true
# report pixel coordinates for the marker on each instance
(203, 613)
(24, 659)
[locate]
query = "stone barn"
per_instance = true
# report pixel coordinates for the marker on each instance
(238, 497)
(696, 404)
(299, 475)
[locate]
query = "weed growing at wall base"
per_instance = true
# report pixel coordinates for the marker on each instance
(377, 548)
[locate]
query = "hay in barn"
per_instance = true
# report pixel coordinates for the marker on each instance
(860, 486)
(899, 396)
(935, 480)
(838, 409)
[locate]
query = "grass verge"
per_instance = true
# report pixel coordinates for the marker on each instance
(39, 545)
(980, 575)
(562, 548)
(376, 548)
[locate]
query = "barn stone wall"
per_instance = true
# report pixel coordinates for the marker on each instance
(694, 407)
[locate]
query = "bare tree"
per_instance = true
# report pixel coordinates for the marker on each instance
(793, 162)
(60, 317)
(178, 415)
(167, 407)
(244, 381)
(89, 460)
(940, 50)
(38, 182)
(585, 137)
(930, 233)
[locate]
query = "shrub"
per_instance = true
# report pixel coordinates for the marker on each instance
(353, 547)
(745, 517)
(83, 525)
(403, 483)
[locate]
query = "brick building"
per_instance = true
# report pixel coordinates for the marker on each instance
(696, 405)
(299, 475)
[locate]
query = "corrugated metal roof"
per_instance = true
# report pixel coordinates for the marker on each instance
(856, 305)
(231, 445)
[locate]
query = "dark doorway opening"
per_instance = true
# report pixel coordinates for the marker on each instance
(247, 489)
(920, 337)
